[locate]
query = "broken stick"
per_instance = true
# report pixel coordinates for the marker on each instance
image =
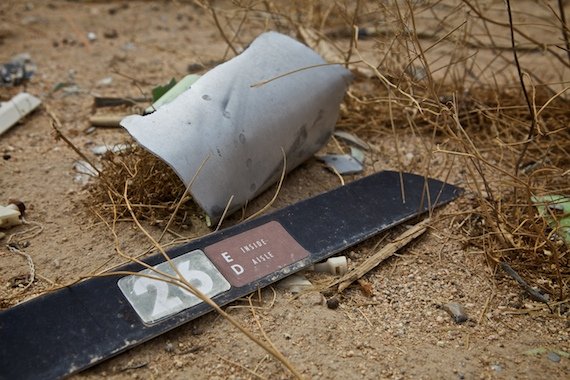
(387, 251)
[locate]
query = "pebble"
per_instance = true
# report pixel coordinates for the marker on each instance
(333, 303)
(456, 311)
(107, 81)
(553, 357)
(112, 33)
(496, 367)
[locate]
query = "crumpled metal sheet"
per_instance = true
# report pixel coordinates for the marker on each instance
(240, 125)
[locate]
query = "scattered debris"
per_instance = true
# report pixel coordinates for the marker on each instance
(106, 121)
(172, 92)
(337, 266)
(533, 293)
(111, 34)
(84, 172)
(387, 251)
(100, 150)
(497, 367)
(352, 139)
(456, 311)
(357, 154)
(107, 81)
(15, 109)
(92, 37)
(19, 204)
(9, 216)
(159, 91)
(343, 164)
(85, 167)
(555, 209)
(19, 69)
(234, 122)
(69, 88)
(102, 101)
(296, 283)
(553, 357)
(333, 303)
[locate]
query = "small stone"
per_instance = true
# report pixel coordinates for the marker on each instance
(110, 34)
(440, 343)
(333, 303)
(553, 357)
(456, 311)
(496, 367)
(107, 81)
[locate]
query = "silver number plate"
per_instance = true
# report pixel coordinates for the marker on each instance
(154, 299)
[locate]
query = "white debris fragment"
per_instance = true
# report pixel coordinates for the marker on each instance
(15, 109)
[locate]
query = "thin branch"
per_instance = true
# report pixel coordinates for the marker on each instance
(221, 30)
(531, 109)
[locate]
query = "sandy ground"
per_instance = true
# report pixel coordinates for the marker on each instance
(398, 332)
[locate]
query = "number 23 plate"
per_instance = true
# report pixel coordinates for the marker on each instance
(154, 299)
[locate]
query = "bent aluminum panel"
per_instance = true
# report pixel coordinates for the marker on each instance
(241, 127)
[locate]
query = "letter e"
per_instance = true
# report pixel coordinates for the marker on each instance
(227, 257)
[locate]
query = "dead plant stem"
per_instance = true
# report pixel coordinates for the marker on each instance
(182, 197)
(531, 109)
(220, 29)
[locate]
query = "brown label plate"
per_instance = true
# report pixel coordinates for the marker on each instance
(254, 254)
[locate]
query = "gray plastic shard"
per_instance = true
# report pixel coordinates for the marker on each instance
(239, 116)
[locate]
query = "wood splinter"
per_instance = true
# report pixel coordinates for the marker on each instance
(387, 251)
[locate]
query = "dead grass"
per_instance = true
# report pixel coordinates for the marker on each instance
(154, 188)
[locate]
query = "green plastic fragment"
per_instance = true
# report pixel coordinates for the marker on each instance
(159, 91)
(555, 209)
(170, 91)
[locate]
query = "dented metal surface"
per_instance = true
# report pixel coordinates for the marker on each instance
(278, 95)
